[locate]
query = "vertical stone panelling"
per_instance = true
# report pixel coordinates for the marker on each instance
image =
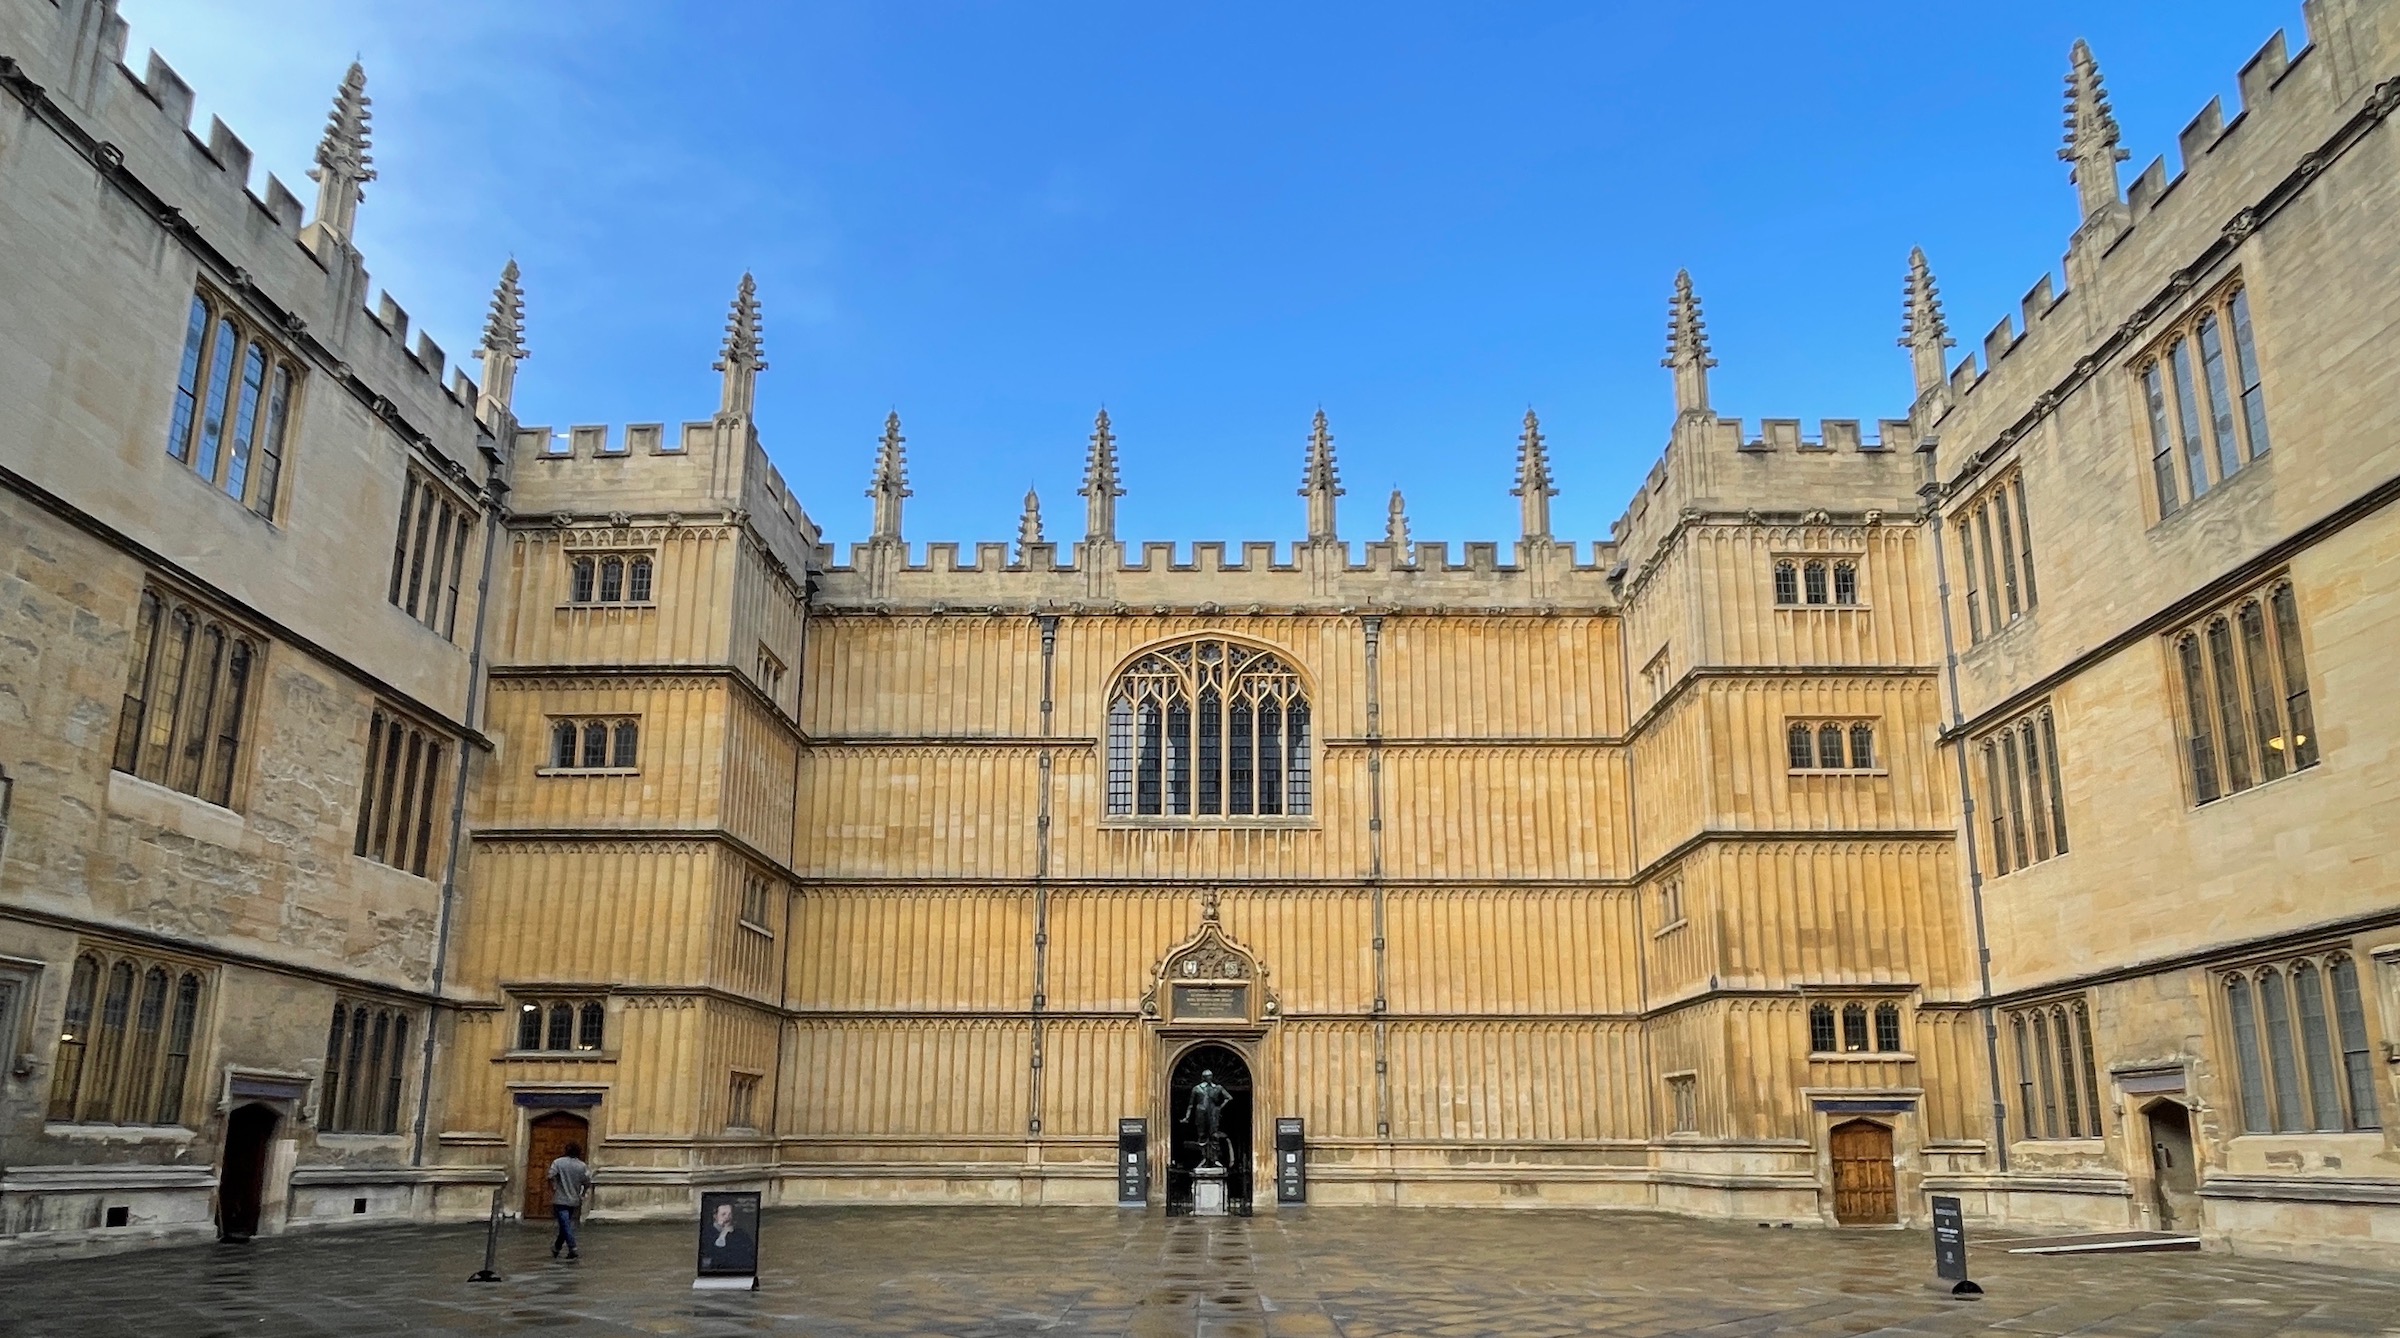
(1105, 945)
(599, 911)
(1495, 677)
(1525, 951)
(1485, 811)
(1324, 1072)
(761, 755)
(912, 950)
(1864, 912)
(1098, 1071)
(682, 721)
(1478, 1081)
(907, 1078)
(905, 676)
(1316, 945)
(944, 811)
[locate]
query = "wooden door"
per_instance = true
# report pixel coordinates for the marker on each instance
(546, 1141)
(1863, 1193)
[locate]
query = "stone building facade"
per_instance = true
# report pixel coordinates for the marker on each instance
(1990, 802)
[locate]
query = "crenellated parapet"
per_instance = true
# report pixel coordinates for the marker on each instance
(1537, 576)
(1719, 466)
(300, 278)
(711, 467)
(2136, 263)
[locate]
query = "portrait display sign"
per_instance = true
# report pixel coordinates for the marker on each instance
(728, 1239)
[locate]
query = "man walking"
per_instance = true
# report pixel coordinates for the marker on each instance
(570, 1183)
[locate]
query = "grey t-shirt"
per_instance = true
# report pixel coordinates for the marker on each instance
(570, 1180)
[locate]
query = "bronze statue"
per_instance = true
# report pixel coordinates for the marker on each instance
(1206, 1108)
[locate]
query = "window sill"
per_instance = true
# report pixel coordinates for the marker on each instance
(606, 605)
(355, 1138)
(2253, 788)
(1822, 608)
(1838, 771)
(126, 1133)
(587, 771)
(405, 873)
(756, 928)
(1671, 926)
(1208, 824)
(556, 1057)
(1862, 1056)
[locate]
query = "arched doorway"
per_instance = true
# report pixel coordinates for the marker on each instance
(2174, 1177)
(1183, 1147)
(546, 1140)
(242, 1181)
(1863, 1190)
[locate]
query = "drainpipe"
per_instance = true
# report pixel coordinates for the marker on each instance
(505, 429)
(1931, 491)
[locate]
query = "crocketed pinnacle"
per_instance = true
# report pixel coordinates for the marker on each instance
(1534, 488)
(2092, 146)
(743, 356)
(1029, 525)
(344, 166)
(1101, 489)
(890, 483)
(1320, 482)
(503, 343)
(504, 332)
(1687, 346)
(1923, 332)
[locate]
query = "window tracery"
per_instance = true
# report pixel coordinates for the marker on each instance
(1209, 728)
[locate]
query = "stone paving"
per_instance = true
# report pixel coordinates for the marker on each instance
(1353, 1273)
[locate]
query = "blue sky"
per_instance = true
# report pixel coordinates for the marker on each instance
(1214, 219)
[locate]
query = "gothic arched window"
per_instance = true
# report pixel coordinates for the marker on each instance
(1208, 729)
(1813, 575)
(1787, 583)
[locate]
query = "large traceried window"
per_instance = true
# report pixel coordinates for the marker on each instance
(366, 1064)
(1209, 729)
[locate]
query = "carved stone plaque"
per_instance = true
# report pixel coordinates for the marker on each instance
(1212, 1003)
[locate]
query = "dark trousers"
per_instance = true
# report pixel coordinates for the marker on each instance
(566, 1228)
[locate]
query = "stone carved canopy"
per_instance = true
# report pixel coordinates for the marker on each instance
(1209, 979)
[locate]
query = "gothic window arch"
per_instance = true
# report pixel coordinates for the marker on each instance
(1813, 576)
(1209, 729)
(2301, 1059)
(1787, 583)
(1845, 583)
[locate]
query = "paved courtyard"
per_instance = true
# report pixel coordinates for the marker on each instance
(1353, 1273)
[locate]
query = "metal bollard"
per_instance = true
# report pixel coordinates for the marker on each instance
(491, 1241)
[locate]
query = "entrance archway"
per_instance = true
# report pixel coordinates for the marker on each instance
(2174, 1177)
(546, 1140)
(242, 1180)
(1183, 1148)
(1863, 1189)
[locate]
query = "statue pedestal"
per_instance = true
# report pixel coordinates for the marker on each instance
(1208, 1191)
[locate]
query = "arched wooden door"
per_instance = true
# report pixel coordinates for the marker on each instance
(546, 1140)
(1863, 1192)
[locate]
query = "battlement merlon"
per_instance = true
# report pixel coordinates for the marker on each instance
(245, 245)
(696, 469)
(2300, 114)
(1528, 577)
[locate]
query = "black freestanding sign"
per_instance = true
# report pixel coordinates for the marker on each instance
(728, 1241)
(1291, 1161)
(1133, 1163)
(1950, 1246)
